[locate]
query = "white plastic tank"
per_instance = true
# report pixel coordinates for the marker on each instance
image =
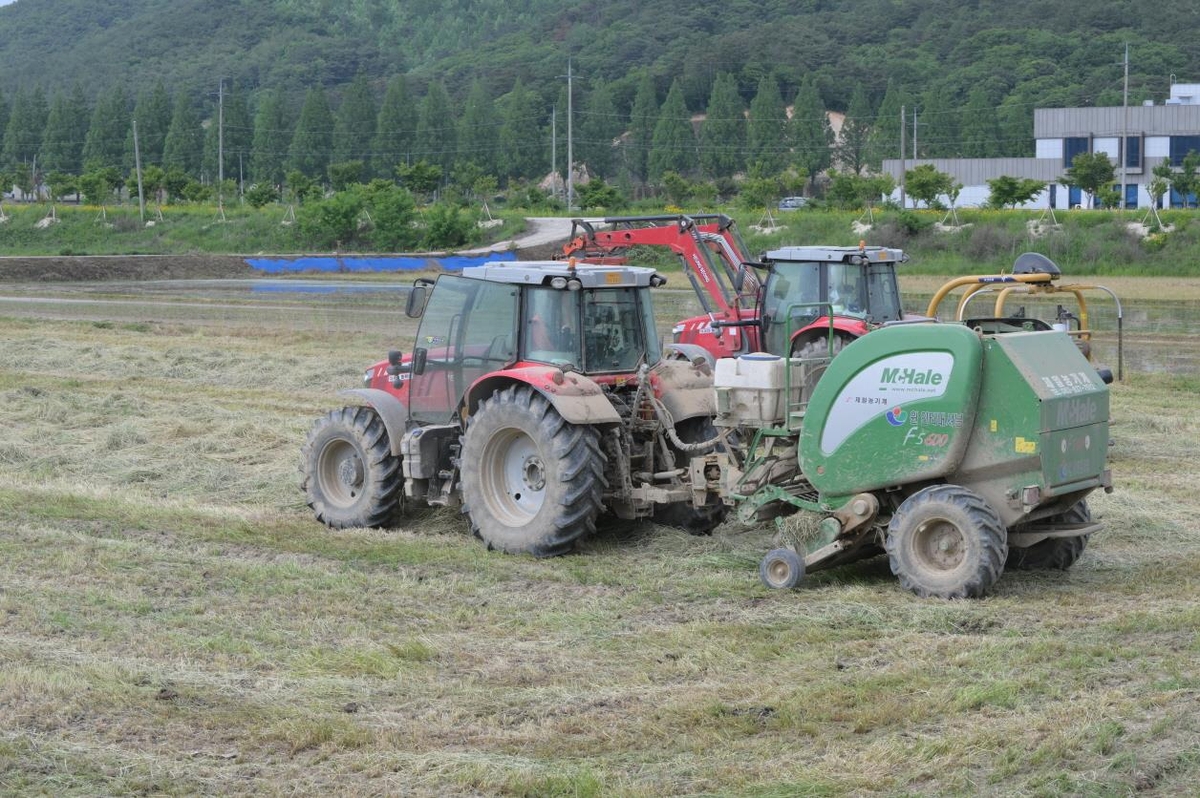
(750, 390)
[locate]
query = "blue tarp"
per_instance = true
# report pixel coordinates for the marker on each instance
(380, 263)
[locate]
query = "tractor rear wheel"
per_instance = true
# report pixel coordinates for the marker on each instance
(348, 470)
(1054, 553)
(695, 520)
(947, 542)
(531, 482)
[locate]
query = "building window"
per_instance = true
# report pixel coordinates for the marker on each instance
(1133, 152)
(1181, 146)
(1131, 195)
(1073, 146)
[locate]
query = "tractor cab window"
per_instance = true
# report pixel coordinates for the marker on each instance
(846, 288)
(883, 295)
(614, 336)
(551, 331)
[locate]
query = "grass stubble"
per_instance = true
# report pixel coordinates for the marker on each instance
(173, 621)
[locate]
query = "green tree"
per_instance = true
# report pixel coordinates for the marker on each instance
(61, 184)
(395, 132)
(1089, 171)
(597, 194)
(332, 222)
(1186, 181)
(346, 174)
(980, 132)
(937, 125)
(152, 112)
(105, 142)
(597, 127)
(239, 134)
(521, 142)
(673, 144)
(393, 214)
(4, 112)
(98, 184)
(809, 132)
(723, 134)
(925, 183)
(26, 126)
(421, 178)
(261, 194)
(766, 131)
(642, 119)
(478, 129)
(183, 147)
(446, 226)
(154, 182)
(884, 140)
(1009, 192)
(66, 129)
(272, 133)
(435, 136)
(354, 127)
(312, 141)
(851, 149)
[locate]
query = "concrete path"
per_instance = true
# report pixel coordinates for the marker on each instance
(540, 230)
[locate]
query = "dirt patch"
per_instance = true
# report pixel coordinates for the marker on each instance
(122, 267)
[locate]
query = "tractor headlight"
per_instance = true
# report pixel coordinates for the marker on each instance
(559, 282)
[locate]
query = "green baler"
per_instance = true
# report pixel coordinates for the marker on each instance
(953, 450)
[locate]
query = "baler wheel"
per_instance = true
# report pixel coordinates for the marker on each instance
(947, 542)
(781, 569)
(531, 481)
(1054, 553)
(348, 470)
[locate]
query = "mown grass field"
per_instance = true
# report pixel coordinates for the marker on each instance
(172, 621)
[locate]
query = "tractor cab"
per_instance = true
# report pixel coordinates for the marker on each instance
(808, 290)
(594, 320)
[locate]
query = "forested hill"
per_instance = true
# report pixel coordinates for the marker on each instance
(1020, 51)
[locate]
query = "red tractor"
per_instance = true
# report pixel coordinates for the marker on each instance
(535, 397)
(810, 297)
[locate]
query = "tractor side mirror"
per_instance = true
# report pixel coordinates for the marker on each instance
(418, 360)
(416, 301)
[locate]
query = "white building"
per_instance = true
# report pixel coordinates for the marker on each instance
(1151, 134)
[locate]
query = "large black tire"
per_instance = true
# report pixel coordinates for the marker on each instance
(1054, 553)
(695, 520)
(531, 482)
(945, 541)
(817, 348)
(348, 471)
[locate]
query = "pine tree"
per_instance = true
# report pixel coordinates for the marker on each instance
(108, 132)
(4, 111)
(673, 144)
(354, 127)
(723, 134)
(884, 140)
(395, 132)
(852, 143)
(435, 138)
(937, 125)
(272, 133)
(521, 141)
(66, 129)
(183, 147)
(152, 112)
(766, 132)
(980, 134)
(642, 118)
(478, 130)
(312, 142)
(597, 126)
(239, 133)
(809, 132)
(26, 126)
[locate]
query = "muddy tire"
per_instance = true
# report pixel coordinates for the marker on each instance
(531, 482)
(946, 542)
(348, 471)
(1055, 554)
(695, 520)
(817, 348)
(781, 569)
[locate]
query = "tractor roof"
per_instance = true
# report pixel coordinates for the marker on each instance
(837, 254)
(542, 272)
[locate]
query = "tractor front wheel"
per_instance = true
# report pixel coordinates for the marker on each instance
(531, 482)
(1054, 553)
(947, 542)
(348, 470)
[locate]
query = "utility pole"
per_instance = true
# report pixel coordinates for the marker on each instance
(903, 155)
(220, 137)
(137, 164)
(1123, 149)
(554, 143)
(570, 142)
(914, 134)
